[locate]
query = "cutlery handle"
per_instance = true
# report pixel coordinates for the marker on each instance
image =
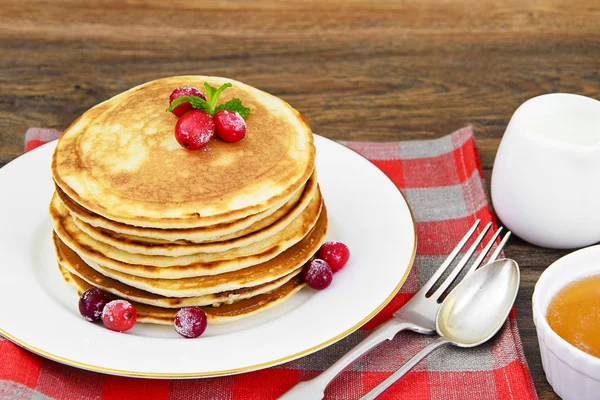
(315, 388)
(376, 391)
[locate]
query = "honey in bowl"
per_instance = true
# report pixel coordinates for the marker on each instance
(574, 314)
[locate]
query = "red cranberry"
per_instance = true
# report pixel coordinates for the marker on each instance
(230, 126)
(119, 315)
(184, 91)
(318, 274)
(336, 254)
(190, 322)
(194, 129)
(92, 302)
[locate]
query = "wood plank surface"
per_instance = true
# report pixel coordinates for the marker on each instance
(378, 70)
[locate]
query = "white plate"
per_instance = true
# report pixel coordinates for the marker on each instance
(38, 310)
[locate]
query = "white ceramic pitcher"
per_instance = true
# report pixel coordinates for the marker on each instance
(546, 176)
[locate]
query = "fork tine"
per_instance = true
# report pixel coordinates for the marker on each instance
(487, 248)
(461, 264)
(440, 271)
(484, 252)
(500, 247)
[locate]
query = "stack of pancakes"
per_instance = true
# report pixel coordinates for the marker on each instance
(226, 228)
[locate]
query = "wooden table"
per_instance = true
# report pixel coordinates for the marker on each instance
(381, 70)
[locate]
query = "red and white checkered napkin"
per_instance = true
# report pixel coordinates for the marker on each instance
(442, 180)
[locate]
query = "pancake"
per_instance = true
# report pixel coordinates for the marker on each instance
(287, 262)
(215, 315)
(267, 233)
(227, 228)
(223, 231)
(120, 159)
(200, 263)
(70, 261)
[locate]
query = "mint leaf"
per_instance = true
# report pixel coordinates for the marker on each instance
(209, 105)
(199, 103)
(234, 105)
(212, 95)
(195, 101)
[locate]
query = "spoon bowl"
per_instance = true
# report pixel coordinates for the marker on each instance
(477, 308)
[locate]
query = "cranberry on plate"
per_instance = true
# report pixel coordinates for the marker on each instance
(190, 322)
(92, 302)
(336, 254)
(318, 274)
(119, 316)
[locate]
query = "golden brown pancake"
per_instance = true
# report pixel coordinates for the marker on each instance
(199, 263)
(216, 315)
(70, 261)
(287, 262)
(268, 233)
(218, 232)
(120, 159)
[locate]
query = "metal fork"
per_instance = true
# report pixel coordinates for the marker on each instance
(417, 315)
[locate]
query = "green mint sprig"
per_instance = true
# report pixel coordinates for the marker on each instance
(212, 94)
(234, 105)
(210, 104)
(195, 101)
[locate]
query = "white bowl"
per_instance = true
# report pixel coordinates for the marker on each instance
(572, 373)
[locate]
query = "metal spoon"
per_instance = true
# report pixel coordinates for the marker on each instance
(471, 314)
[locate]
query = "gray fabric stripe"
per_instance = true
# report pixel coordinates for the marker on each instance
(436, 203)
(39, 396)
(447, 202)
(392, 354)
(426, 148)
(324, 358)
(412, 149)
(475, 193)
(10, 390)
(451, 358)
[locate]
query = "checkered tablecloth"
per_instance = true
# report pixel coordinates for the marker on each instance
(443, 182)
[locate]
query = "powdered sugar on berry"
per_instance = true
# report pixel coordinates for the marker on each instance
(318, 274)
(190, 322)
(119, 315)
